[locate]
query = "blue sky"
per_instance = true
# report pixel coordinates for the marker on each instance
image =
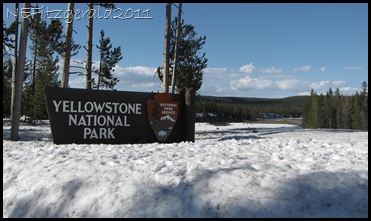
(253, 49)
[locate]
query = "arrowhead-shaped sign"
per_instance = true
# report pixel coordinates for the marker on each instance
(162, 114)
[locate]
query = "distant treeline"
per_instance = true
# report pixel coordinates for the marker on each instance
(240, 109)
(334, 110)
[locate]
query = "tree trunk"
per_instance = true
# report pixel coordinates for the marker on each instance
(176, 46)
(89, 46)
(16, 8)
(34, 79)
(17, 96)
(165, 82)
(67, 55)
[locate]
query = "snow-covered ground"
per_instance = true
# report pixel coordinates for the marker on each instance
(240, 170)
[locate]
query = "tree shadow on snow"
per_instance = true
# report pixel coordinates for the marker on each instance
(240, 137)
(317, 194)
(29, 134)
(32, 205)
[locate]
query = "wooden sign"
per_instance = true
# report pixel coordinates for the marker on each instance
(114, 117)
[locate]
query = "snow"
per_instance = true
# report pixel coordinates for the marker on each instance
(238, 170)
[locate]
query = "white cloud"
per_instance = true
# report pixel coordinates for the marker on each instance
(322, 69)
(138, 70)
(249, 83)
(77, 82)
(269, 84)
(215, 70)
(271, 70)
(249, 68)
(287, 84)
(303, 68)
(263, 84)
(221, 81)
(338, 83)
(145, 85)
(353, 68)
(246, 82)
(119, 70)
(349, 90)
(320, 86)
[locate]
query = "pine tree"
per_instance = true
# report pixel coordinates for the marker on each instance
(7, 41)
(89, 42)
(356, 111)
(364, 106)
(108, 59)
(346, 122)
(336, 111)
(47, 41)
(7, 79)
(337, 105)
(190, 63)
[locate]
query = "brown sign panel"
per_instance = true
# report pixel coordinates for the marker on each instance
(162, 114)
(114, 117)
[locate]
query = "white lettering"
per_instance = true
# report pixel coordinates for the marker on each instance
(104, 133)
(82, 122)
(108, 106)
(96, 107)
(99, 107)
(97, 120)
(110, 133)
(125, 122)
(65, 106)
(56, 105)
(86, 132)
(138, 109)
(86, 108)
(72, 119)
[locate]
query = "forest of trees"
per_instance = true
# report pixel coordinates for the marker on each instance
(334, 110)
(242, 109)
(47, 46)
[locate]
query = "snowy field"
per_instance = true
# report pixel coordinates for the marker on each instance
(240, 170)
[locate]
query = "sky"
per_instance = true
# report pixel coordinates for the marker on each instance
(238, 170)
(267, 50)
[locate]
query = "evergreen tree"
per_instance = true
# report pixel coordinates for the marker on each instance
(364, 105)
(346, 122)
(47, 41)
(108, 59)
(356, 111)
(89, 42)
(7, 41)
(8, 65)
(7, 79)
(337, 106)
(190, 63)
(336, 111)
(330, 109)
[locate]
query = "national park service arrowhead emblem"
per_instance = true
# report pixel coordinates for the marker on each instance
(162, 114)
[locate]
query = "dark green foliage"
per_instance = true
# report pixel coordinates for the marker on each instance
(108, 59)
(190, 63)
(7, 31)
(240, 109)
(7, 79)
(8, 43)
(337, 111)
(46, 42)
